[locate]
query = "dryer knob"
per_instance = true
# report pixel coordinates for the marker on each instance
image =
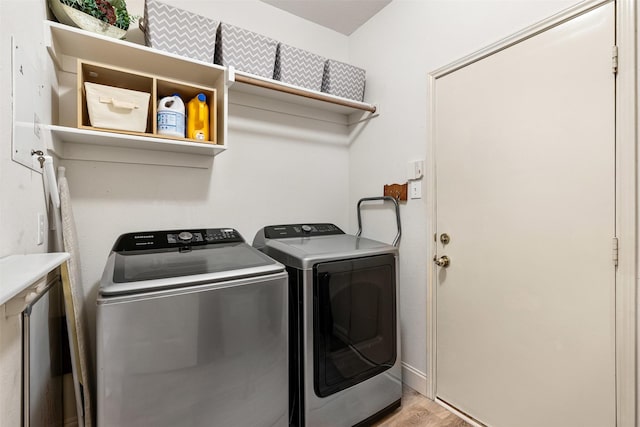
(185, 236)
(306, 228)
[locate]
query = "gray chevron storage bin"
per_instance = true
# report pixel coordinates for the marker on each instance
(245, 50)
(299, 67)
(343, 80)
(179, 31)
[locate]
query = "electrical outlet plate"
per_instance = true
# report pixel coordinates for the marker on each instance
(40, 236)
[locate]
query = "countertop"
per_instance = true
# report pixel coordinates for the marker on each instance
(18, 272)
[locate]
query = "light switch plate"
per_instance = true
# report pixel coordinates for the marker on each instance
(415, 189)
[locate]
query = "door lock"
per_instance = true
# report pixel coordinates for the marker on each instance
(444, 238)
(443, 261)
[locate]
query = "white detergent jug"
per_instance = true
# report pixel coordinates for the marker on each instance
(171, 117)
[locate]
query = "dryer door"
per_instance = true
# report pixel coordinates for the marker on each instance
(354, 321)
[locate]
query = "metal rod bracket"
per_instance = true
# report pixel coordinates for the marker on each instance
(396, 240)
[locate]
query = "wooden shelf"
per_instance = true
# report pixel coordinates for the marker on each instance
(249, 83)
(68, 43)
(72, 42)
(95, 137)
(80, 144)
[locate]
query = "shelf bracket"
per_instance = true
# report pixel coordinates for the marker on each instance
(230, 75)
(49, 45)
(357, 118)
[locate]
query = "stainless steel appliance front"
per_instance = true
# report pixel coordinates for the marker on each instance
(208, 349)
(345, 366)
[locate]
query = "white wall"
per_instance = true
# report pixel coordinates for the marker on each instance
(399, 47)
(21, 190)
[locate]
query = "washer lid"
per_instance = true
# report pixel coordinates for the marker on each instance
(141, 271)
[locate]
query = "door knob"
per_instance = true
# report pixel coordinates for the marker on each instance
(443, 261)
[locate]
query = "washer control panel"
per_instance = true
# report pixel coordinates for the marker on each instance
(150, 240)
(300, 230)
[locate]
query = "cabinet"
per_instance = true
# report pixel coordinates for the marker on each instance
(151, 86)
(31, 315)
(42, 349)
(67, 45)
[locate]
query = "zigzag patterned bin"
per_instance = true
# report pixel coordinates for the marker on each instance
(245, 50)
(299, 67)
(179, 31)
(343, 80)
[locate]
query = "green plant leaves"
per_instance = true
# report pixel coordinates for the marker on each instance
(113, 12)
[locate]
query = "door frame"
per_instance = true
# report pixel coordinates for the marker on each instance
(626, 177)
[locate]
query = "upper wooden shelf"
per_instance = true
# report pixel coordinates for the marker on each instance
(68, 43)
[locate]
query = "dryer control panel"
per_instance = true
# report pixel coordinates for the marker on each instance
(300, 230)
(167, 239)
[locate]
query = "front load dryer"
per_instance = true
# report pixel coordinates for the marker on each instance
(344, 352)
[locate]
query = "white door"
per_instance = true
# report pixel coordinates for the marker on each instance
(524, 143)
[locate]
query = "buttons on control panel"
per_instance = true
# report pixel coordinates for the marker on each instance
(185, 236)
(222, 235)
(300, 230)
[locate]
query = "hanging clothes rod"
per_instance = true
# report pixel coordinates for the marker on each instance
(303, 93)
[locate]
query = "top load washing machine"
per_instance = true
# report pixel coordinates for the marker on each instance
(191, 331)
(344, 346)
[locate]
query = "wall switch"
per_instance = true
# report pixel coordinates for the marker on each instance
(415, 189)
(40, 236)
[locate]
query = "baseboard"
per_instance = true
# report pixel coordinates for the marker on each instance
(414, 378)
(460, 414)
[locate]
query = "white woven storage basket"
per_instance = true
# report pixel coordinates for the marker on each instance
(115, 108)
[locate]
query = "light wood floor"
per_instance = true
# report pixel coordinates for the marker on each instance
(417, 410)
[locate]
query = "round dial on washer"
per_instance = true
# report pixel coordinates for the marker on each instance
(185, 236)
(306, 228)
